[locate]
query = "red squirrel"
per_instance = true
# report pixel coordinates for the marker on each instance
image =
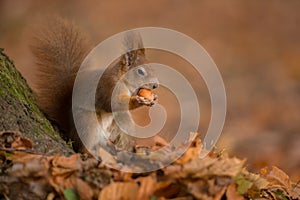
(60, 50)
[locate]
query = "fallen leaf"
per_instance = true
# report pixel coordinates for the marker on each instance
(194, 150)
(259, 182)
(83, 189)
(226, 167)
(214, 167)
(146, 187)
(232, 193)
(50, 196)
(199, 189)
(167, 189)
(8, 137)
(198, 167)
(22, 143)
(276, 176)
(60, 183)
(30, 165)
(119, 191)
(219, 194)
(173, 170)
(72, 162)
(295, 191)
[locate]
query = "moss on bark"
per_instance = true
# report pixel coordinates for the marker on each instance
(18, 111)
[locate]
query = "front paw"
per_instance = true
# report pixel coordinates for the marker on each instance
(144, 101)
(155, 97)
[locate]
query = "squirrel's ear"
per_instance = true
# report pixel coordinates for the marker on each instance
(135, 51)
(132, 57)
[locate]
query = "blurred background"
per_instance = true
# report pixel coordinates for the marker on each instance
(255, 44)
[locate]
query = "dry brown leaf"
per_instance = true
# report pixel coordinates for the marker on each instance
(198, 167)
(198, 189)
(167, 189)
(119, 191)
(120, 176)
(98, 178)
(218, 195)
(193, 151)
(107, 157)
(50, 196)
(256, 179)
(276, 176)
(162, 185)
(8, 137)
(30, 165)
(60, 183)
(279, 183)
(147, 187)
(84, 190)
(127, 177)
(232, 194)
(174, 170)
(295, 191)
(190, 154)
(72, 162)
(227, 167)
(213, 166)
(24, 157)
(66, 165)
(217, 187)
(89, 163)
(22, 143)
(177, 198)
(62, 172)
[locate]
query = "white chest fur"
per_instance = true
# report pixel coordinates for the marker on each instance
(105, 121)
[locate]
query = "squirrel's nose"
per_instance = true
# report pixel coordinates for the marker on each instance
(155, 85)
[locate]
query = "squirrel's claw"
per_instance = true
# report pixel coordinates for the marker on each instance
(145, 101)
(155, 97)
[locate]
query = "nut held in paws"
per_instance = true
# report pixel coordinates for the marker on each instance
(148, 94)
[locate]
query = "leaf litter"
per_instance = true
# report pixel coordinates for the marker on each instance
(25, 174)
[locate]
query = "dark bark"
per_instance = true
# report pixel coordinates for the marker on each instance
(18, 111)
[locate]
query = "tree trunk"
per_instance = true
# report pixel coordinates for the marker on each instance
(18, 111)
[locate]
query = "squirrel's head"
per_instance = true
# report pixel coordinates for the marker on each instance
(137, 70)
(130, 73)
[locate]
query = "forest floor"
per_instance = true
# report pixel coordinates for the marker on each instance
(25, 174)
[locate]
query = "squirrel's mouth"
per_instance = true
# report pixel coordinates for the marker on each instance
(136, 92)
(149, 87)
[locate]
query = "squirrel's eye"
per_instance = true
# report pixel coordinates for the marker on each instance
(141, 71)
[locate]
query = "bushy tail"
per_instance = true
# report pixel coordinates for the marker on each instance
(60, 49)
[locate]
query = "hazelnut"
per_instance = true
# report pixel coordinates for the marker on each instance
(148, 94)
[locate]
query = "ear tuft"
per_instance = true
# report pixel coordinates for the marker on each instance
(134, 47)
